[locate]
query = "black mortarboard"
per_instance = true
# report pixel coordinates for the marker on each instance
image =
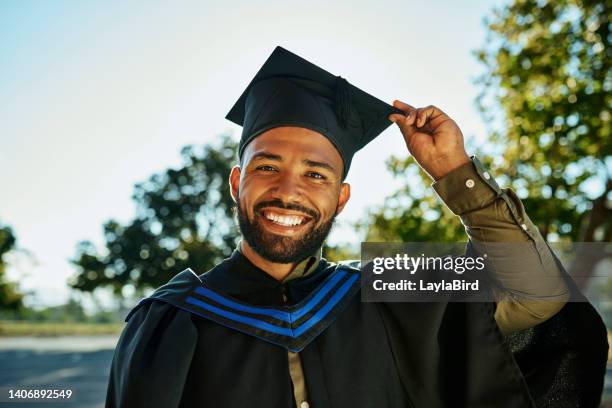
(290, 91)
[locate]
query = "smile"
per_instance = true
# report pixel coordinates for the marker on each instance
(285, 220)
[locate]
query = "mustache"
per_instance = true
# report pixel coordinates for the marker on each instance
(289, 206)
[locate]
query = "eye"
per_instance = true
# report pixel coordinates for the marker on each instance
(265, 167)
(316, 175)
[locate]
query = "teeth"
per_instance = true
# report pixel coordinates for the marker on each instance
(287, 221)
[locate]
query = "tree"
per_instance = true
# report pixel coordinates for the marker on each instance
(340, 252)
(548, 71)
(413, 213)
(10, 298)
(184, 219)
(546, 93)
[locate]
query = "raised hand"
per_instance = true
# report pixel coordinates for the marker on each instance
(432, 138)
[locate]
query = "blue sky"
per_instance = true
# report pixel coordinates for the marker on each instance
(97, 96)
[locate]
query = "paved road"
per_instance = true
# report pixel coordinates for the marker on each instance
(78, 363)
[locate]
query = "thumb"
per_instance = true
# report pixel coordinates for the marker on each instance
(396, 118)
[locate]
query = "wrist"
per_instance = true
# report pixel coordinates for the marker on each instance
(448, 165)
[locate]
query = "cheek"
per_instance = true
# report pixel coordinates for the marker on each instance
(328, 204)
(248, 194)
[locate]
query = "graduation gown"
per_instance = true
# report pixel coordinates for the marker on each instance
(221, 339)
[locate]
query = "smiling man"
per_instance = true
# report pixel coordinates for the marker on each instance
(288, 193)
(276, 325)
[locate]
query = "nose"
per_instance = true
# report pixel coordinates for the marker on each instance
(287, 188)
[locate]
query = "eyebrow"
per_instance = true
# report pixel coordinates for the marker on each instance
(265, 155)
(323, 165)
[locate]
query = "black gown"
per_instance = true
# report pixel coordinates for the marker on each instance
(221, 339)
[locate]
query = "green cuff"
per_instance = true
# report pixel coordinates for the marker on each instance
(467, 188)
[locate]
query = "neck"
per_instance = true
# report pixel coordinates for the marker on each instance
(277, 270)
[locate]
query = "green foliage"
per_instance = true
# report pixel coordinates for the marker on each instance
(546, 95)
(184, 219)
(10, 298)
(413, 213)
(336, 253)
(49, 329)
(70, 312)
(548, 71)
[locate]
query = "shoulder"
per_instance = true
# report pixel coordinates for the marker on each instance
(159, 321)
(159, 338)
(172, 292)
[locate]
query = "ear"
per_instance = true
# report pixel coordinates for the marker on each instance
(234, 182)
(343, 197)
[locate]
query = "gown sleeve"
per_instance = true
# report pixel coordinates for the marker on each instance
(152, 358)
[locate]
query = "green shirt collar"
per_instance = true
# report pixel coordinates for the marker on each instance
(303, 268)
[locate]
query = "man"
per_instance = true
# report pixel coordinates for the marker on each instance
(275, 325)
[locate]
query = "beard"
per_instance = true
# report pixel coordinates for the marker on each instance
(278, 248)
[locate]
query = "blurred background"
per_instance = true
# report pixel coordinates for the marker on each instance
(115, 152)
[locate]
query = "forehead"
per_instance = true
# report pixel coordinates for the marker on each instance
(295, 142)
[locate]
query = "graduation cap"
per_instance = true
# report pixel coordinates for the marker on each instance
(290, 91)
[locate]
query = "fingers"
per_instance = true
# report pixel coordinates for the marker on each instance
(403, 106)
(403, 120)
(429, 114)
(429, 118)
(396, 117)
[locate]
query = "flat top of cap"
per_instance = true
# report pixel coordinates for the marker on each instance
(287, 64)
